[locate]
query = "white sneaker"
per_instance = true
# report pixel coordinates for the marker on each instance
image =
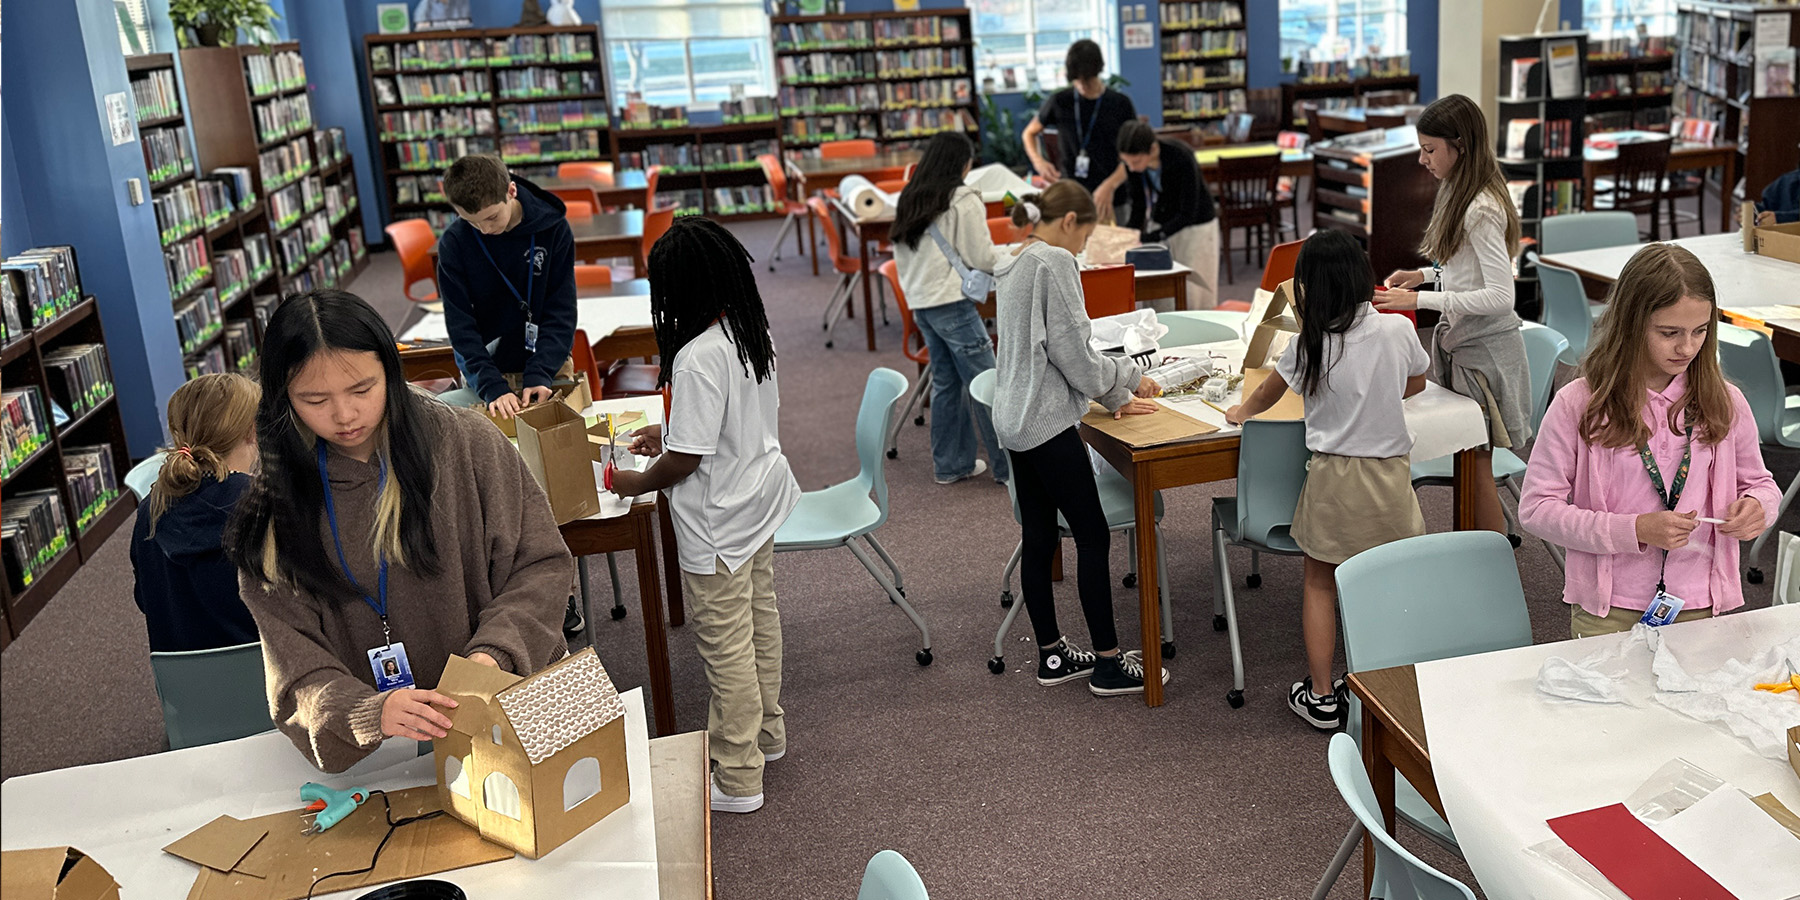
(723, 802)
(771, 757)
(980, 467)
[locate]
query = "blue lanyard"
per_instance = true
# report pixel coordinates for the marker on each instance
(1092, 117)
(379, 606)
(530, 273)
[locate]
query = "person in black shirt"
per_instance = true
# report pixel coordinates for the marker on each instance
(1086, 116)
(1171, 204)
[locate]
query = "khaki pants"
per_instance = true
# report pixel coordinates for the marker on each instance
(1584, 624)
(738, 631)
(516, 380)
(1197, 247)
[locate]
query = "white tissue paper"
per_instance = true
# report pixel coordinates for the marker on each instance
(1136, 331)
(995, 181)
(1725, 696)
(866, 200)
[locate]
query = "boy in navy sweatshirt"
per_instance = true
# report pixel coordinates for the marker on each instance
(506, 272)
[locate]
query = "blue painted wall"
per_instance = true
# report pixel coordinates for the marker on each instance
(63, 59)
(333, 50)
(16, 236)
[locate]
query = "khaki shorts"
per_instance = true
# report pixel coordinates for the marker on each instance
(1583, 624)
(1352, 503)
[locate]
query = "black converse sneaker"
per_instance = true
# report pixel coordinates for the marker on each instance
(573, 621)
(1064, 662)
(1324, 713)
(1122, 674)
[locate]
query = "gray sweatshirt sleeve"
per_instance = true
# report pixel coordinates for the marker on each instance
(1108, 380)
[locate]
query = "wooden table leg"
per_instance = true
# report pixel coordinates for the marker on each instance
(1463, 491)
(1149, 610)
(1725, 189)
(868, 286)
(656, 635)
(671, 557)
(1381, 777)
(1181, 301)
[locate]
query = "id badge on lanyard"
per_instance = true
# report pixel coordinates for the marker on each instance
(388, 661)
(531, 328)
(1082, 163)
(1664, 606)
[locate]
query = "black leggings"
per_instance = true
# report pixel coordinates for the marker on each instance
(1056, 476)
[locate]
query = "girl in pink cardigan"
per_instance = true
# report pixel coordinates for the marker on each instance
(1648, 468)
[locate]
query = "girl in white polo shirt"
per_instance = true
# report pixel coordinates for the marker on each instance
(1353, 366)
(729, 489)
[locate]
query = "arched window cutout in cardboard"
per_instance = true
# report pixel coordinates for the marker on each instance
(582, 782)
(499, 794)
(456, 776)
(496, 735)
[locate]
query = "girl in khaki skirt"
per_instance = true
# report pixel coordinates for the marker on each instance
(1353, 366)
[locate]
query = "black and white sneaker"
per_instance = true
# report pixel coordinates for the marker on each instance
(1122, 674)
(572, 619)
(1064, 662)
(1324, 713)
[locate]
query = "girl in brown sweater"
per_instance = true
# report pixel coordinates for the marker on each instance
(385, 532)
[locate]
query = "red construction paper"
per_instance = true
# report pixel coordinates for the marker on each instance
(1635, 859)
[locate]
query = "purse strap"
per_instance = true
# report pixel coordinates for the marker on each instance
(962, 270)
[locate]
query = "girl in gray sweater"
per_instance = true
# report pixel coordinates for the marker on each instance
(1046, 374)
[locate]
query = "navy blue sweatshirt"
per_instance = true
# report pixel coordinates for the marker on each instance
(186, 587)
(1782, 197)
(478, 275)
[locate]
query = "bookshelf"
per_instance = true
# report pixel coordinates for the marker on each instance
(1716, 63)
(535, 96)
(1205, 55)
(706, 170)
(1371, 185)
(894, 77)
(1542, 98)
(60, 462)
(1629, 84)
(1333, 91)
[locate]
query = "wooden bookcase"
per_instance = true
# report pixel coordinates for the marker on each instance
(1640, 107)
(1375, 189)
(894, 77)
(22, 363)
(1205, 56)
(706, 167)
(1715, 68)
(1545, 161)
(1350, 89)
(440, 95)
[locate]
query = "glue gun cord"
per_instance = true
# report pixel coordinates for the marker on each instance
(387, 813)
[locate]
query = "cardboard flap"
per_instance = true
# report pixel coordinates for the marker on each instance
(1165, 426)
(220, 844)
(473, 686)
(553, 440)
(1778, 241)
(33, 874)
(1279, 315)
(86, 880)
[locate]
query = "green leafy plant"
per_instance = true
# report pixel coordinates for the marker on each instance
(215, 23)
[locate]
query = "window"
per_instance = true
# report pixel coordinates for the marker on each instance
(1020, 44)
(687, 54)
(1342, 30)
(1606, 19)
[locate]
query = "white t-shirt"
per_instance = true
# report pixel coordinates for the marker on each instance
(744, 489)
(1358, 409)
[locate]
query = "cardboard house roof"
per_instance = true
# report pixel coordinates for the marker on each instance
(561, 705)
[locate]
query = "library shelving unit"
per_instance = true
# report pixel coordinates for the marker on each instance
(1629, 84)
(1371, 185)
(713, 168)
(536, 96)
(1205, 54)
(894, 77)
(1336, 91)
(1715, 67)
(84, 529)
(1542, 123)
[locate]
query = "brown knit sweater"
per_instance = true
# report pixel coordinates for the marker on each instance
(499, 551)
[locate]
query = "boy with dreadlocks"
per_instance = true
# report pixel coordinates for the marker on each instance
(729, 489)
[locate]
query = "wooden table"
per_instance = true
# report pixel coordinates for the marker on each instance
(1783, 332)
(1353, 119)
(603, 236)
(627, 188)
(1683, 156)
(1294, 163)
(680, 779)
(815, 175)
(635, 532)
(1393, 740)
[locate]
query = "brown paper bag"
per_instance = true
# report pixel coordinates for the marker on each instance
(1107, 245)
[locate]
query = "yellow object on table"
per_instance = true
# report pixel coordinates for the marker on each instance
(1780, 687)
(1214, 154)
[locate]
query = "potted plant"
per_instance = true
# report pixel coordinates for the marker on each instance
(215, 23)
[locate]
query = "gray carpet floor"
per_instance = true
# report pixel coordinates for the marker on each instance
(991, 785)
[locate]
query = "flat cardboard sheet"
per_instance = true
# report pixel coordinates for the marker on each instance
(221, 844)
(1286, 409)
(37, 874)
(1165, 426)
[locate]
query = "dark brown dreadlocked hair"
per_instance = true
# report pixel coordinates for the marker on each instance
(700, 274)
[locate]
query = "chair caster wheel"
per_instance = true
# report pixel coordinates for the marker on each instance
(1006, 599)
(1235, 698)
(1754, 576)
(1168, 650)
(894, 454)
(828, 345)
(997, 665)
(618, 612)
(923, 656)
(1218, 623)
(1130, 580)
(1516, 540)
(1253, 580)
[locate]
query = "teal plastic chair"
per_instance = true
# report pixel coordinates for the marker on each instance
(1272, 459)
(1749, 362)
(1196, 327)
(142, 476)
(836, 516)
(1587, 231)
(1120, 505)
(1566, 308)
(888, 876)
(1544, 348)
(1399, 875)
(210, 696)
(1434, 596)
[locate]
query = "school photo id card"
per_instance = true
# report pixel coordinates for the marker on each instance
(390, 667)
(1663, 609)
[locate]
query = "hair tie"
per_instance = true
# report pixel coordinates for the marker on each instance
(1032, 212)
(185, 451)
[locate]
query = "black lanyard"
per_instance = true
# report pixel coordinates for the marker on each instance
(1085, 136)
(530, 273)
(1670, 495)
(380, 606)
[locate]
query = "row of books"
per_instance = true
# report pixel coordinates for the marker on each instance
(198, 320)
(1206, 103)
(1694, 131)
(419, 189)
(810, 129)
(1191, 75)
(191, 206)
(443, 87)
(285, 164)
(79, 376)
(557, 147)
(281, 117)
(528, 118)
(923, 63)
(1629, 46)
(312, 193)
(34, 533)
(823, 35)
(155, 95)
(925, 122)
(519, 49)
(1627, 84)
(1709, 72)
(1695, 105)
(186, 263)
(330, 266)
(166, 152)
(678, 158)
(329, 145)
(1202, 15)
(434, 53)
(265, 308)
(236, 179)
(24, 428)
(239, 346)
(270, 72)
(1395, 66)
(1554, 139)
(1232, 42)
(638, 113)
(210, 361)
(41, 284)
(286, 207)
(438, 219)
(1723, 35)
(928, 92)
(436, 155)
(691, 202)
(799, 100)
(416, 124)
(824, 67)
(918, 30)
(753, 198)
(231, 274)
(340, 201)
(748, 109)
(93, 478)
(1649, 118)
(536, 82)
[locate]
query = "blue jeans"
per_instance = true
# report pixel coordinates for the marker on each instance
(960, 350)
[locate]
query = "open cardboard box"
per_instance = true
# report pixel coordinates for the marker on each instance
(572, 393)
(54, 873)
(1277, 320)
(1774, 241)
(562, 453)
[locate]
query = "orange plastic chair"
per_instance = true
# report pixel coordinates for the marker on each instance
(572, 196)
(593, 277)
(849, 268)
(652, 175)
(656, 224)
(597, 172)
(582, 355)
(1109, 291)
(847, 149)
(891, 185)
(578, 209)
(1001, 230)
(794, 210)
(1280, 266)
(413, 240)
(912, 346)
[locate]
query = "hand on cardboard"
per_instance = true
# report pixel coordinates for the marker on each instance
(647, 441)
(1668, 530)
(537, 394)
(1395, 298)
(1765, 218)
(506, 407)
(408, 713)
(1745, 519)
(1405, 278)
(1136, 406)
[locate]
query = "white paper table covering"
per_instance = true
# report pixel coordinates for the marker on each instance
(598, 316)
(123, 813)
(1506, 758)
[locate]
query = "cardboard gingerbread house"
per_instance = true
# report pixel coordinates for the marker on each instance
(532, 762)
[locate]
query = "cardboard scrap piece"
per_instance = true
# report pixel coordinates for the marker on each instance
(284, 864)
(1289, 408)
(1165, 426)
(220, 844)
(1779, 812)
(63, 873)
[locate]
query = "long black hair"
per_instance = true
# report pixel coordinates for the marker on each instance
(1333, 280)
(933, 185)
(700, 274)
(275, 534)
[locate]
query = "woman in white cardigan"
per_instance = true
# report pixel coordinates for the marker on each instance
(1473, 236)
(938, 211)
